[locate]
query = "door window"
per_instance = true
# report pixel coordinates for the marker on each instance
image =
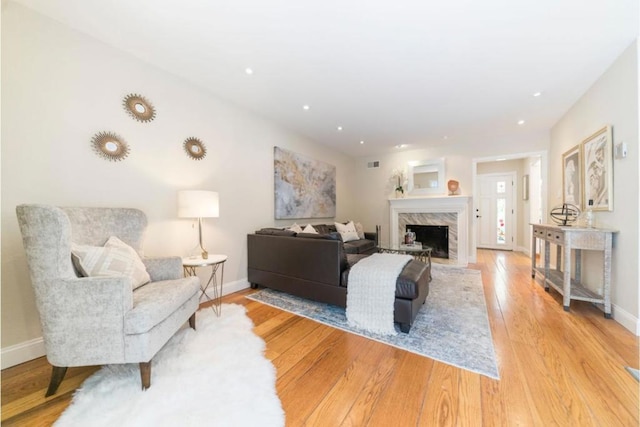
(501, 205)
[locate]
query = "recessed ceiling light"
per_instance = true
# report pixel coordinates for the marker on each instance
(520, 122)
(339, 128)
(305, 107)
(445, 137)
(361, 142)
(537, 94)
(501, 160)
(249, 71)
(401, 145)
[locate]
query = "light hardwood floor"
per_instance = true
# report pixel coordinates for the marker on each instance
(556, 368)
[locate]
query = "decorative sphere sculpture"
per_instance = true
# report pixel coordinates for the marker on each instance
(565, 214)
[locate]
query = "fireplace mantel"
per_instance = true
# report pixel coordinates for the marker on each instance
(458, 205)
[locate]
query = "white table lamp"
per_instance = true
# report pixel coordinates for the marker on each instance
(198, 204)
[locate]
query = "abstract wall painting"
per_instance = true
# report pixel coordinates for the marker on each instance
(304, 187)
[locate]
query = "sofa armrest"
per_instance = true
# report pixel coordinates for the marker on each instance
(373, 235)
(164, 268)
(370, 235)
(83, 319)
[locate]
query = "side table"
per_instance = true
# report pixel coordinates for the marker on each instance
(190, 264)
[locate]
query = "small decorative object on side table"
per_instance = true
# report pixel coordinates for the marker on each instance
(190, 265)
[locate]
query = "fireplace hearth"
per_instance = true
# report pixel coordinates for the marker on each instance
(434, 236)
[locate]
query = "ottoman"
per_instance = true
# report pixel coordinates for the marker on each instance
(412, 289)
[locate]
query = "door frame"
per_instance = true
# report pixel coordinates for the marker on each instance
(544, 162)
(514, 205)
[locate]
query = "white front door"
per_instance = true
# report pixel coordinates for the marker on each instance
(494, 211)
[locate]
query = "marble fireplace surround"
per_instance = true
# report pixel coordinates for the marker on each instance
(452, 211)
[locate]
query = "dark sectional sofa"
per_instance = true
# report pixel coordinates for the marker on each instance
(316, 267)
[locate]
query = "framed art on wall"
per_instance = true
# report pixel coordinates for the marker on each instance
(597, 170)
(572, 177)
(304, 188)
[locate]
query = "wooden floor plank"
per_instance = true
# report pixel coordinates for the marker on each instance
(304, 386)
(408, 385)
(367, 399)
(335, 405)
(440, 407)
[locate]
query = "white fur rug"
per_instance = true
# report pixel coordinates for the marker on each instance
(214, 376)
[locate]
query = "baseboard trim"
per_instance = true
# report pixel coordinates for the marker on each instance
(626, 319)
(230, 287)
(22, 352)
(32, 349)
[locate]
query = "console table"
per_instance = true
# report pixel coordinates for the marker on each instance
(566, 239)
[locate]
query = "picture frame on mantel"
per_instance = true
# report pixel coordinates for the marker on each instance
(572, 177)
(597, 170)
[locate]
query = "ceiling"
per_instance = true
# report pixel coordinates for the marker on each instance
(420, 73)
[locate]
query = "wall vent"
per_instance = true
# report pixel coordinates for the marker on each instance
(375, 164)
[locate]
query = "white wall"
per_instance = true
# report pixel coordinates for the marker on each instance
(612, 100)
(60, 87)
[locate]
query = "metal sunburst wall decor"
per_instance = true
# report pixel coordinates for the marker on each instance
(109, 146)
(194, 148)
(139, 107)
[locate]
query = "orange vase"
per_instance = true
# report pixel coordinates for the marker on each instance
(453, 185)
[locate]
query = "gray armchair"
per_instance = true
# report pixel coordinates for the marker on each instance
(101, 320)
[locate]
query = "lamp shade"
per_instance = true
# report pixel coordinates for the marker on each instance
(198, 204)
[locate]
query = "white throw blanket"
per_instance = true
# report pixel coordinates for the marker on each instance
(371, 292)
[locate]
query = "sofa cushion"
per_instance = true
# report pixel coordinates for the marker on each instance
(276, 232)
(322, 228)
(155, 301)
(359, 246)
(359, 230)
(115, 258)
(330, 236)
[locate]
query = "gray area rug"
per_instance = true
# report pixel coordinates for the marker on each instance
(452, 327)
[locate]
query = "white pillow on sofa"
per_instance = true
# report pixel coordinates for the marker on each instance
(296, 228)
(115, 258)
(359, 230)
(348, 231)
(309, 229)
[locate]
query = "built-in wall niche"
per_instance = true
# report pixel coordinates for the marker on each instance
(426, 177)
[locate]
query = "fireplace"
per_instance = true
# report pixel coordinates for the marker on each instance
(434, 236)
(450, 211)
